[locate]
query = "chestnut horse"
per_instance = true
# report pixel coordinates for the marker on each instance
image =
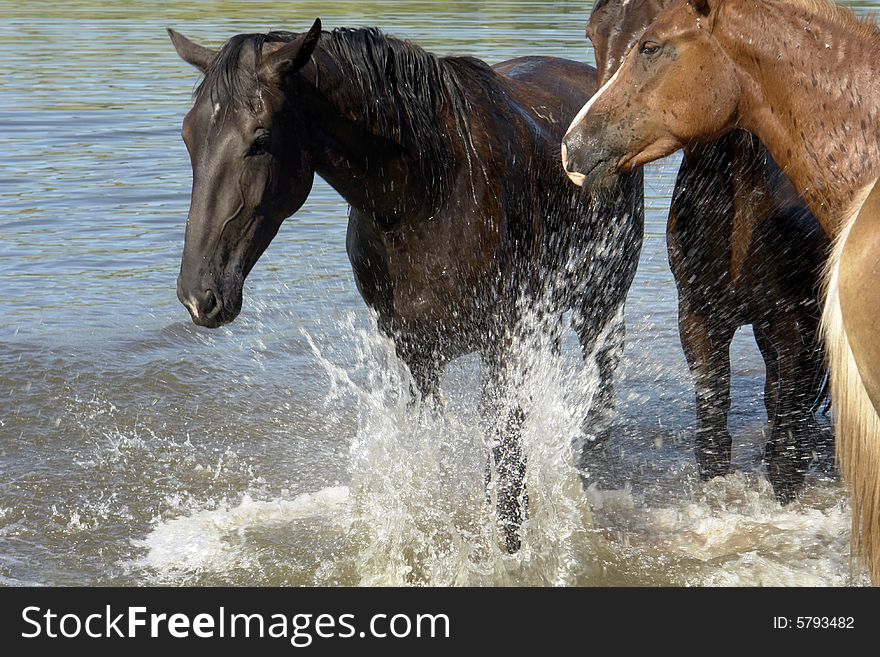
(744, 249)
(460, 210)
(802, 76)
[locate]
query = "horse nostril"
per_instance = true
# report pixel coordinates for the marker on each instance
(569, 153)
(570, 163)
(209, 304)
(205, 306)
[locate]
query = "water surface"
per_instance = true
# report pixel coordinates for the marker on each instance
(137, 448)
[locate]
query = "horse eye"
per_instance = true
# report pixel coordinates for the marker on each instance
(260, 145)
(649, 48)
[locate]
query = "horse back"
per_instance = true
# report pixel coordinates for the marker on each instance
(552, 89)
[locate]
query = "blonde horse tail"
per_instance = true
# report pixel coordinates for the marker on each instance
(856, 424)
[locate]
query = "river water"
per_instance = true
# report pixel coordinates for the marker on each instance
(136, 448)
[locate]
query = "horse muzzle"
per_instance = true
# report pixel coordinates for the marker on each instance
(587, 162)
(575, 176)
(205, 305)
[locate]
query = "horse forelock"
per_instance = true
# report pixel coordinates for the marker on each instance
(228, 80)
(414, 84)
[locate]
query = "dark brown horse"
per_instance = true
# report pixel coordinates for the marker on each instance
(461, 217)
(744, 250)
(802, 76)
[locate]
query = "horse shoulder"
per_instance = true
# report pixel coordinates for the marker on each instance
(369, 262)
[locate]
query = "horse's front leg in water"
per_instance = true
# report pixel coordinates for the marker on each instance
(504, 417)
(426, 370)
(510, 466)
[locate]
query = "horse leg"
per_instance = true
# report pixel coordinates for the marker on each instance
(552, 326)
(426, 376)
(707, 349)
(600, 417)
(794, 434)
(425, 369)
(771, 368)
(505, 419)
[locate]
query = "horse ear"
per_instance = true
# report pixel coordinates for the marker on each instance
(191, 53)
(292, 56)
(702, 6)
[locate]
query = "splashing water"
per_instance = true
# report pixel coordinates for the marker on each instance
(216, 540)
(415, 510)
(141, 449)
(419, 503)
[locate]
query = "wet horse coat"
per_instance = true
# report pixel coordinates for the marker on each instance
(461, 218)
(801, 75)
(744, 250)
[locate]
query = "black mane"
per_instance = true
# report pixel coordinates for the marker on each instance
(421, 85)
(417, 88)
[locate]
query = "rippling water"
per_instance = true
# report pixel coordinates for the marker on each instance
(138, 448)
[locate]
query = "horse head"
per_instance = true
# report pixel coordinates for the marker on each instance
(250, 159)
(676, 86)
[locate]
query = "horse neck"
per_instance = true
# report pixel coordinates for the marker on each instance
(811, 94)
(374, 173)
